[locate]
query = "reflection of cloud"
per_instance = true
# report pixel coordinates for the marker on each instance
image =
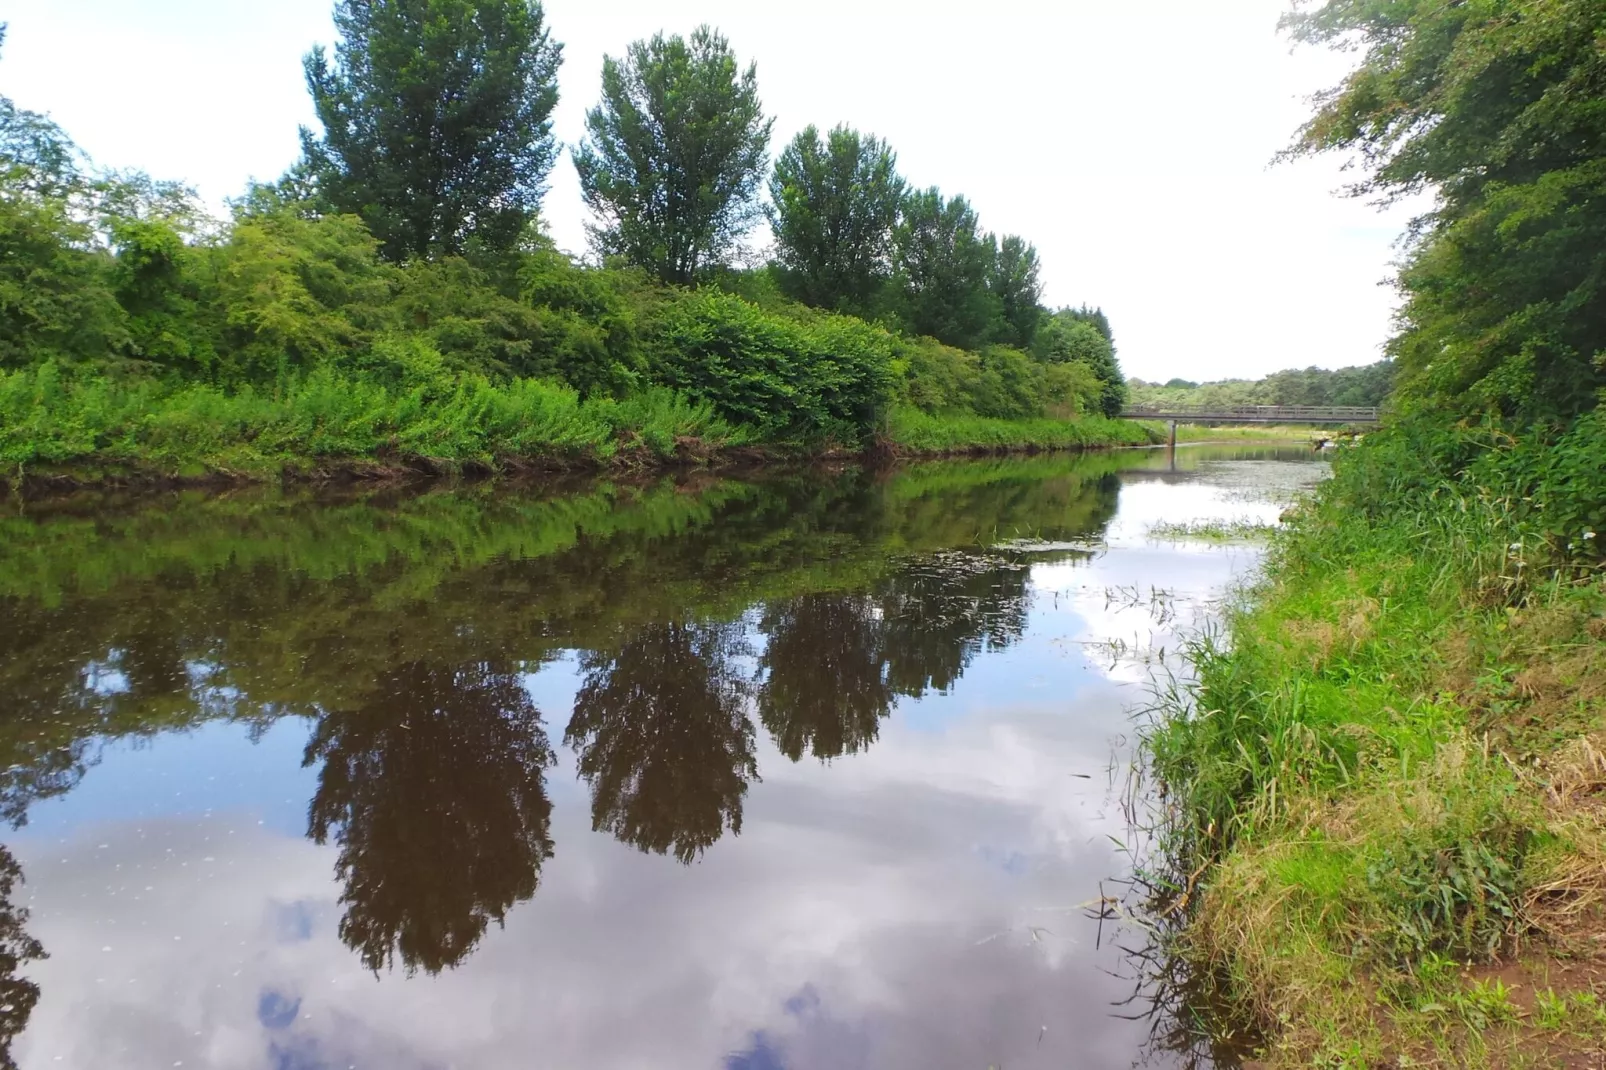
(827, 934)
(1141, 597)
(913, 904)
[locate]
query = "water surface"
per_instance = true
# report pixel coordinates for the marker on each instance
(819, 770)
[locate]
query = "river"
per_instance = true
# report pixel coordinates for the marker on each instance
(812, 770)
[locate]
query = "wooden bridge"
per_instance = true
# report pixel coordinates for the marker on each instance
(1254, 414)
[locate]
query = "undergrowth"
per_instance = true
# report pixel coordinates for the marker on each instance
(1390, 757)
(49, 420)
(915, 431)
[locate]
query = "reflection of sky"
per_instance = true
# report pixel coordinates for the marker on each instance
(914, 905)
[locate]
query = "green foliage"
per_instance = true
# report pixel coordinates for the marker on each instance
(406, 403)
(594, 321)
(1367, 384)
(297, 292)
(1014, 283)
(1007, 387)
(1082, 337)
(998, 382)
(917, 431)
(833, 207)
(436, 121)
(56, 299)
(1359, 768)
(821, 377)
(672, 161)
(942, 267)
(156, 338)
(1497, 107)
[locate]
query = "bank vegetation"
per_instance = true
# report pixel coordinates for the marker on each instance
(393, 302)
(1384, 796)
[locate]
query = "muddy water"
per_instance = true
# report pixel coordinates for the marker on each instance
(808, 771)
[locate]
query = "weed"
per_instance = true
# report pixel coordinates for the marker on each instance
(1483, 1004)
(1390, 763)
(1241, 529)
(1551, 1009)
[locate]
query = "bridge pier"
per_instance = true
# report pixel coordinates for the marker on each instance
(1171, 441)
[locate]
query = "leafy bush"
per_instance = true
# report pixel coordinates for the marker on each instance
(826, 377)
(1008, 386)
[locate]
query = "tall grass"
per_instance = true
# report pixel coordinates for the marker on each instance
(1356, 786)
(916, 431)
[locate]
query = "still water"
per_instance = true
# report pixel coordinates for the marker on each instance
(817, 770)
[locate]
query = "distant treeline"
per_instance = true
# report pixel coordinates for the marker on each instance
(395, 290)
(1366, 384)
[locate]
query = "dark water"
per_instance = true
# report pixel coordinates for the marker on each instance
(816, 771)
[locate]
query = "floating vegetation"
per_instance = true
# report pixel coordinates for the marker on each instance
(1241, 529)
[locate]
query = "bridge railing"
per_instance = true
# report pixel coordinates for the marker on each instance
(1258, 413)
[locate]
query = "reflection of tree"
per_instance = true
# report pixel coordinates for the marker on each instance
(664, 740)
(434, 789)
(833, 663)
(17, 994)
(940, 613)
(825, 685)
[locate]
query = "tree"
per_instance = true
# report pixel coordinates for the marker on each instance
(674, 155)
(943, 266)
(437, 120)
(1083, 335)
(36, 155)
(1014, 282)
(1496, 107)
(833, 208)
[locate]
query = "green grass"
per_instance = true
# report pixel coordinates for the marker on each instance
(1369, 777)
(1258, 433)
(911, 430)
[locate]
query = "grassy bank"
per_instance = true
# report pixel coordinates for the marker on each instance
(1269, 433)
(911, 431)
(101, 430)
(1384, 824)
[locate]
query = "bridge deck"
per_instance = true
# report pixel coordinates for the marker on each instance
(1255, 414)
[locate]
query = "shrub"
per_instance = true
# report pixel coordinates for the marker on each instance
(826, 377)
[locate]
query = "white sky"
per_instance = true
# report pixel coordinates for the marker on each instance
(1130, 141)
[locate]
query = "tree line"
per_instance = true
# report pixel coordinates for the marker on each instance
(405, 248)
(1366, 384)
(1500, 356)
(672, 166)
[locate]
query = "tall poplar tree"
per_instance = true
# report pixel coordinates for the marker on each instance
(436, 120)
(1014, 281)
(943, 264)
(674, 155)
(833, 206)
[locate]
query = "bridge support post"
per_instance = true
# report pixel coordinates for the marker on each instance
(1171, 442)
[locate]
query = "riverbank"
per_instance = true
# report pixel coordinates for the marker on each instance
(331, 428)
(1385, 821)
(1197, 434)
